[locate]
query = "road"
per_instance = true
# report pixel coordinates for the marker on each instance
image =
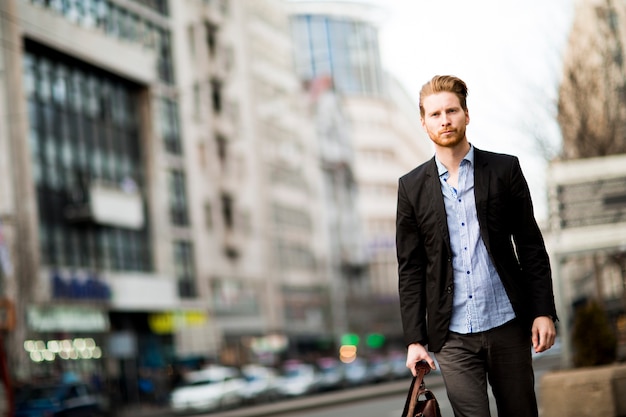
(386, 406)
(392, 405)
(382, 400)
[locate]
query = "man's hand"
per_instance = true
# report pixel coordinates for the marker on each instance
(416, 353)
(543, 333)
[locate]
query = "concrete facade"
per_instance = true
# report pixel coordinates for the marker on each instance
(171, 187)
(227, 243)
(385, 132)
(586, 238)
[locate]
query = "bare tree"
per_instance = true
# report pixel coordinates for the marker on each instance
(592, 96)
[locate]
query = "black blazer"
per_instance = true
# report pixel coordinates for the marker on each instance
(507, 226)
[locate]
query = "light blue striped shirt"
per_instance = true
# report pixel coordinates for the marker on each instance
(480, 302)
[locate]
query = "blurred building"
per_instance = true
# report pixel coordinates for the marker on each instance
(95, 217)
(280, 195)
(587, 242)
(171, 192)
(591, 111)
(339, 40)
(346, 263)
(587, 186)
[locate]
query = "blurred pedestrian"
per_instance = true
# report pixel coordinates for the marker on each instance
(474, 275)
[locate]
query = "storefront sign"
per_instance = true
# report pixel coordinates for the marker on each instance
(67, 319)
(169, 322)
(79, 287)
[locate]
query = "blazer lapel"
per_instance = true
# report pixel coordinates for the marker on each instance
(436, 201)
(481, 192)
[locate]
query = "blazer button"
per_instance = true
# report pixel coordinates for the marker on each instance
(449, 289)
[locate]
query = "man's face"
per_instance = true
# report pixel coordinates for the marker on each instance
(444, 120)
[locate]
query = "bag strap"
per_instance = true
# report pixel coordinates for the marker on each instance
(417, 387)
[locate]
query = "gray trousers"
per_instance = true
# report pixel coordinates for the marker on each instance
(500, 356)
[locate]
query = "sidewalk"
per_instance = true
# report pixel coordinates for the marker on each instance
(311, 401)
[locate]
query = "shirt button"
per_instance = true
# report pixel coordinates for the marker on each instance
(468, 272)
(462, 224)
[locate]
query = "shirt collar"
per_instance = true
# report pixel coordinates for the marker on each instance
(469, 156)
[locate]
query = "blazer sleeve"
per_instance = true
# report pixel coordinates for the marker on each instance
(411, 270)
(530, 247)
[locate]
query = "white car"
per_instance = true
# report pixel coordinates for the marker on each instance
(262, 383)
(209, 389)
(298, 379)
(357, 372)
(331, 374)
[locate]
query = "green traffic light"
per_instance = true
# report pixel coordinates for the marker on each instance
(351, 339)
(375, 340)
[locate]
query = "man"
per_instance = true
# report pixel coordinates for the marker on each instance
(474, 275)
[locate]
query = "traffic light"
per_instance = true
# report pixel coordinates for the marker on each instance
(375, 340)
(351, 339)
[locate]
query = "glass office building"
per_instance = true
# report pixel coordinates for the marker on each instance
(345, 49)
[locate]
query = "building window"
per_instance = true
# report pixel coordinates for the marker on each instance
(222, 149)
(208, 216)
(191, 36)
(347, 50)
(170, 128)
(228, 211)
(184, 269)
(118, 22)
(178, 199)
(216, 96)
(197, 102)
(165, 65)
(294, 255)
(156, 5)
(290, 218)
(211, 38)
(83, 128)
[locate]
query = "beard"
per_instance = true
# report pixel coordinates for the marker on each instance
(449, 139)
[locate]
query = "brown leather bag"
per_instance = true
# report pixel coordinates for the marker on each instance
(416, 407)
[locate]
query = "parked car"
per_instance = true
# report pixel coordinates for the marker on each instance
(261, 384)
(397, 362)
(331, 374)
(379, 368)
(297, 379)
(212, 388)
(67, 399)
(357, 372)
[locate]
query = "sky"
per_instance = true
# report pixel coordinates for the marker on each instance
(509, 52)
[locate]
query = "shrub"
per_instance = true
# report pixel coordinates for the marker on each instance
(593, 338)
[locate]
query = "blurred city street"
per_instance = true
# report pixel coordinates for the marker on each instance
(199, 198)
(380, 400)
